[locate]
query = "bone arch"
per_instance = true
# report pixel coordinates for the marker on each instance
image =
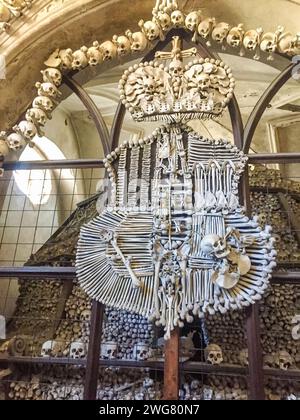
(64, 61)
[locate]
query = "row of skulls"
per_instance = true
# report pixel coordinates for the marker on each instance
(164, 18)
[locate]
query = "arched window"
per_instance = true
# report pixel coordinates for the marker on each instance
(37, 184)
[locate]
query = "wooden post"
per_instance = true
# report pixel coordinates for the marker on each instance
(92, 363)
(171, 373)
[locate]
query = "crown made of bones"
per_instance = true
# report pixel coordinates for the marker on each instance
(178, 92)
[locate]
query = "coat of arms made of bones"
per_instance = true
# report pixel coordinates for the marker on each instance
(174, 242)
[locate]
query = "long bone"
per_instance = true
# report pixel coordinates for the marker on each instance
(135, 281)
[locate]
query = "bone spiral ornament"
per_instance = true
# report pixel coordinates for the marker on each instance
(182, 247)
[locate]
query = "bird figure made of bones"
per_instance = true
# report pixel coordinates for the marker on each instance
(174, 242)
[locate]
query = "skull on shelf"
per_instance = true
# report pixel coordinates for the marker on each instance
(51, 348)
(284, 360)
(213, 354)
(109, 350)
(77, 350)
(141, 351)
(244, 357)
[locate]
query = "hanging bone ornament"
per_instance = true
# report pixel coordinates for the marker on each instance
(177, 244)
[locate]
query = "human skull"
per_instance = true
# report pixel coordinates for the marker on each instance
(207, 393)
(176, 68)
(289, 44)
(52, 76)
(80, 59)
(51, 348)
(235, 36)
(269, 42)
(94, 54)
(220, 32)
(123, 45)
(66, 57)
(85, 315)
(36, 115)
(192, 21)
(284, 360)
(204, 81)
(4, 13)
(109, 350)
(44, 103)
(27, 129)
(164, 20)
(244, 357)
(109, 50)
(139, 41)
(150, 29)
(47, 89)
(77, 350)
(252, 39)
(213, 354)
(205, 27)
(16, 142)
(212, 244)
(4, 149)
(177, 18)
(141, 351)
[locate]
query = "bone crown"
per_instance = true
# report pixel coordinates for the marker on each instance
(201, 89)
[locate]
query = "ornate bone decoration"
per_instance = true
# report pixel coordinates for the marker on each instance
(174, 242)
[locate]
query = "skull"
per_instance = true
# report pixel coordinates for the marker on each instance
(235, 36)
(4, 13)
(176, 68)
(150, 29)
(123, 45)
(36, 116)
(4, 150)
(204, 82)
(85, 315)
(94, 54)
(207, 393)
(52, 76)
(47, 89)
(220, 32)
(213, 354)
(177, 18)
(164, 20)
(269, 360)
(211, 244)
(16, 141)
(66, 57)
(289, 44)
(244, 357)
(192, 21)
(77, 350)
(252, 39)
(44, 103)
(284, 360)
(139, 41)
(205, 27)
(109, 50)
(27, 129)
(52, 348)
(141, 351)
(109, 350)
(268, 42)
(80, 59)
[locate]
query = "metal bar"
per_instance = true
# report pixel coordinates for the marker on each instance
(171, 371)
(94, 351)
(274, 158)
(53, 164)
(262, 105)
(39, 273)
(292, 277)
(93, 110)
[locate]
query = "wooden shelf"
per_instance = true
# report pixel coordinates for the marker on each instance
(188, 366)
